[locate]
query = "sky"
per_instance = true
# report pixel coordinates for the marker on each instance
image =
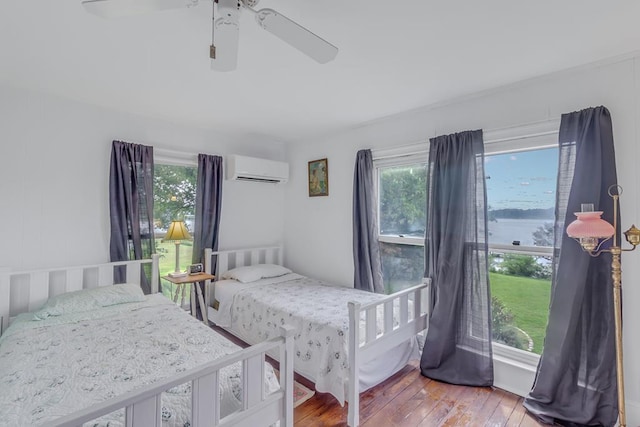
(524, 180)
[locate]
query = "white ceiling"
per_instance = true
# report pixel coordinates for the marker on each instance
(394, 56)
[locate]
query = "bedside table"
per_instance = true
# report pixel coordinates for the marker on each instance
(191, 278)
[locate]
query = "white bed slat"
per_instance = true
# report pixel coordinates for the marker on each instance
(270, 256)
(371, 329)
(146, 413)
(252, 368)
(74, 280)
(223, 265)
(105, 275)
(205, 402)
(255, 257)
(133, 272)
(388, 316)
(404, 309)
(417, 304)
(38, 289)
(240, 259)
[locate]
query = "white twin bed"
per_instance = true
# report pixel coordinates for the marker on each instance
(110, 356)
(345, 340)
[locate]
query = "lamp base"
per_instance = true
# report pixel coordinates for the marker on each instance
(176, 274)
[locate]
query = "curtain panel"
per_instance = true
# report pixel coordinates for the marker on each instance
(366, 248)
(208, 209)
(131, 205)
(457, 348)
(576, 377)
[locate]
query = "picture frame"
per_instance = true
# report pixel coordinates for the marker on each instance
(318, 181)
(195, 269)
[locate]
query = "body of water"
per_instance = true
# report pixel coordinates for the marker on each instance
(506, 230)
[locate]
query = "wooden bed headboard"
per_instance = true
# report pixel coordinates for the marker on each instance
(24, 291)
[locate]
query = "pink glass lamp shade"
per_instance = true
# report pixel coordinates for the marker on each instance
(589, 228)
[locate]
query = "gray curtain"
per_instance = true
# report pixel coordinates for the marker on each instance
(457, 348)
(208, 209)
(366, 249)
(576, 378)
(131, 205)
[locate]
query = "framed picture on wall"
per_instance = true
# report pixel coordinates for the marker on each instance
(318, 178)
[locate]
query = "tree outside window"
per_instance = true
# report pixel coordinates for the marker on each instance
(174, 198)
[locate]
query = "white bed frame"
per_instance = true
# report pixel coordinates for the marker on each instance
(25, 291)
(413, 316)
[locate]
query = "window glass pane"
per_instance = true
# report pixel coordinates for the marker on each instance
(520, 292)
(402, 266)
(174, 197)
(521, 194)
(402, 198)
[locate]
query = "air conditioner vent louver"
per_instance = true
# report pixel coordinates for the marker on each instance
(242, 168)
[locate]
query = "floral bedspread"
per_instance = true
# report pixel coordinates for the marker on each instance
(56, 366)
(319, 314)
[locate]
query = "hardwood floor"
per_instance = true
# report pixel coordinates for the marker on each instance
(408, 399)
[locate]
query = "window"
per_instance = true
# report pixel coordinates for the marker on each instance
(521, 173)
(402, 213)
(174, 197)
(521, 192)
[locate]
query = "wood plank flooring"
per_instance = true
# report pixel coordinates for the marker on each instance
(408, 399)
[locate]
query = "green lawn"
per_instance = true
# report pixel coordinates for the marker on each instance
(528, 300)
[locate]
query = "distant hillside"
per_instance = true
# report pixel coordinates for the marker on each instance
(521, 213)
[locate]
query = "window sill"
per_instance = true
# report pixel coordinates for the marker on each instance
(514, 370)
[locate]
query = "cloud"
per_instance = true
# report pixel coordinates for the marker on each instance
(525, 183)
(513, 158)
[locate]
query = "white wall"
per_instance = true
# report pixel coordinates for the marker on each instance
(318, 230)
(54, 179)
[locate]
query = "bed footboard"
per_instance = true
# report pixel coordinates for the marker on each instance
(143, 407)
(413, 317)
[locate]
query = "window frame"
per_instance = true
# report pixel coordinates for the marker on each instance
(402, 156)
(415, 154)
(539, 135)
(516, 140)
(175, 158)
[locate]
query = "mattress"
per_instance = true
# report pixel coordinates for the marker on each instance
(53, 367)
(318, 311)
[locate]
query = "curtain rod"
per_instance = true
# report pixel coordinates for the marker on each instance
(529, 130)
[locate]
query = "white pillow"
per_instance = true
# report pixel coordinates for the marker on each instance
(251, 273)
(89, 299)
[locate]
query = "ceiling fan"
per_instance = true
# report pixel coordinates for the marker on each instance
(224, 50)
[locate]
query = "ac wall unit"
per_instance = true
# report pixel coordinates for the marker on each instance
(242, 168)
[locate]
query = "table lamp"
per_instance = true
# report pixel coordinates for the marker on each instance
(176, 233)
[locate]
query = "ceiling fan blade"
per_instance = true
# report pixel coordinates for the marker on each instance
(297, 36)
(224, 56)
(115, 8)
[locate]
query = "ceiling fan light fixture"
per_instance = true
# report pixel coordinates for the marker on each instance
(224, 55)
